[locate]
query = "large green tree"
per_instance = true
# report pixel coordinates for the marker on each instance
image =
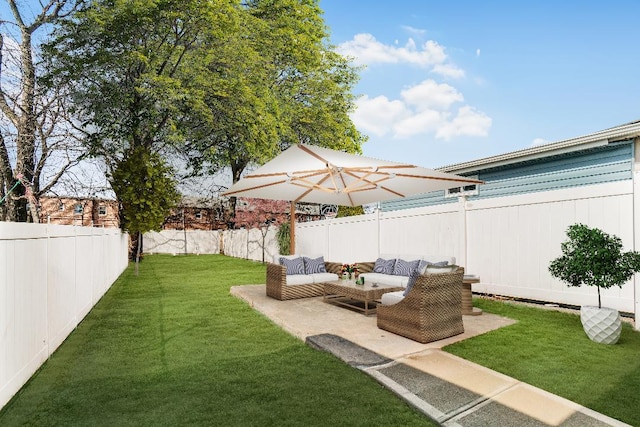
(220, 82)
(131, 63)
(304, 88)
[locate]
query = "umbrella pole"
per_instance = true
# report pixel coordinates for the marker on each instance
(292, 228)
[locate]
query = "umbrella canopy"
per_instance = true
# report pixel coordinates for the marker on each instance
(306, 173)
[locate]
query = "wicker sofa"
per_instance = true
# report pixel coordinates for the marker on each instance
(285, 287)
(366, 269)
(431, 310)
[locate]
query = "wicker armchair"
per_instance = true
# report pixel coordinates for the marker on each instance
(431, 311)
(277, 283)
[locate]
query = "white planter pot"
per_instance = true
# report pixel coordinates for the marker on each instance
(602, 325)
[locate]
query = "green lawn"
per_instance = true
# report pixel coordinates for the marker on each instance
(549, 349)
(172, 347)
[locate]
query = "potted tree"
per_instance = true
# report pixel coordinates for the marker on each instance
(595, 258)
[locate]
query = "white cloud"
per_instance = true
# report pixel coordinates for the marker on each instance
(448, 70)
(539, 141)
(430, 94)
(468, 122)
(478, 52)
(427, 108)
(426, 121)
(412, 30)
(366, 50)
(377, 115)
(421, 109)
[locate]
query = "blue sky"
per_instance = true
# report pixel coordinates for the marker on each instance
(448, 82)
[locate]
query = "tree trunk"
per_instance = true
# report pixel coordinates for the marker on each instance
(136, 247)
(26, 127)
(8, 209)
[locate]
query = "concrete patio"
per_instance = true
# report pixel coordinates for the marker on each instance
(448, 389)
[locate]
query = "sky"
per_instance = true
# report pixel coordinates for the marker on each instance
(446, 82)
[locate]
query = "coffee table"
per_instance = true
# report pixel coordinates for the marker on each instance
(362, 298)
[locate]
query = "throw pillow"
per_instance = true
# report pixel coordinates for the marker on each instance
(384, 266)
(313, 266)
(294, 266)
(438, 264)
(404, 268)
(412, 281)
(422, 266)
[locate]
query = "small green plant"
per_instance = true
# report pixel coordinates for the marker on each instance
(344, 211)
(283, 236)
(594, 258)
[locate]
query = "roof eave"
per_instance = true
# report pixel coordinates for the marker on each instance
(627, 131)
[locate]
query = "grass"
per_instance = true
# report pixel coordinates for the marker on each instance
(172, 347)
(549, 349)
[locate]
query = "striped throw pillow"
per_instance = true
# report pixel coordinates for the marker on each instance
(384, 266)
(294, 265)
(313, 266)
(404, 268)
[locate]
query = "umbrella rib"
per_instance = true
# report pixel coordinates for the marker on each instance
(303, 194)
(392, 191)
(366, 182)
(310, 152)
(309, 189)
(311, 172)
(255, 188)
(312, 186)
(301, 182)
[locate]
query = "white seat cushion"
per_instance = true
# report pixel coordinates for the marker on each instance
(391, 298)
(444, 269)
(299, 279)
(324, 277)
(385, 279)
(438, 258)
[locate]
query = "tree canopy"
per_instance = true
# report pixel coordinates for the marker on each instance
(205, 84)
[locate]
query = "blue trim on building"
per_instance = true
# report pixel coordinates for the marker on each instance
(612, 162)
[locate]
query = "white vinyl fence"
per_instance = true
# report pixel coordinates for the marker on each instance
(507, 241)
(258, 244)
(50, 278)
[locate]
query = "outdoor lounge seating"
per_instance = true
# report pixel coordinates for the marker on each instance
(431, 310)
(396, 275)
(285, 285)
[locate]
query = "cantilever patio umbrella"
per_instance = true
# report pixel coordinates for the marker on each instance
(307, 173)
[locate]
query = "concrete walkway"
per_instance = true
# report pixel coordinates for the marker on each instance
(448, 389)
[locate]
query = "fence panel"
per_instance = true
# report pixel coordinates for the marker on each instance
(51, 276)
(511, 242)
(507, 241)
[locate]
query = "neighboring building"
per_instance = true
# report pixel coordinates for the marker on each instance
(601, 157)
(191, 214)
(77, 211)
(252, 212)
(202, 214)
(196, 214)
